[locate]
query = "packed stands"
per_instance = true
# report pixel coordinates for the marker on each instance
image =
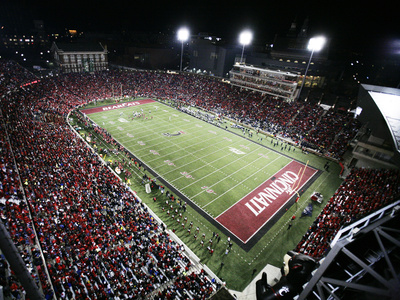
(96, 236)
(303, 123)
(362, 192)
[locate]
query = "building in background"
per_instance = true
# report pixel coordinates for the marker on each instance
(209, 55)
(274, 83)
(80, 57)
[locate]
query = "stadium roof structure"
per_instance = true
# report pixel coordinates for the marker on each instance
(383, 101)
(363, 262)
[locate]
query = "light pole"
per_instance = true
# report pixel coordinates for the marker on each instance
(314, 44)
(183, 35)
(245, 38)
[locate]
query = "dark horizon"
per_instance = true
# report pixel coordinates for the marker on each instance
(353, 26)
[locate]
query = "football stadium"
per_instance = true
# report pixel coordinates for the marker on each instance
(185, 186)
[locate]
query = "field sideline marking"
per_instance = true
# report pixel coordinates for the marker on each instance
(195, 136)
(193, 153)
(204, 165)
(157, 137)
(300, 207)
(218, 170)
(280, 156)
(220, 149)
(124, 139)
(242, 181)
(206, 227)
(188, 153)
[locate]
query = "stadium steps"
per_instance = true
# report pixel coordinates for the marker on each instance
(318, 121)
(295, 116)
(334, 140)
(263, 99)
(170, 283)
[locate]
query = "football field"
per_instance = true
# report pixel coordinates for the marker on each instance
(239, 185)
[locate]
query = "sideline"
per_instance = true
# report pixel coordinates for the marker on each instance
(189, 253)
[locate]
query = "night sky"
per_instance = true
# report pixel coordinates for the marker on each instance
(356, 24)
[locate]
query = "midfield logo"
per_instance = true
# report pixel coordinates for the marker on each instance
(173, 134)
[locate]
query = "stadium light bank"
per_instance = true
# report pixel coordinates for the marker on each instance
(245, 39)
(314, 44)
(183, 36)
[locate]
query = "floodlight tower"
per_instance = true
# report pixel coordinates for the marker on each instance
(314, 44)
(183, 36)
(245, 39)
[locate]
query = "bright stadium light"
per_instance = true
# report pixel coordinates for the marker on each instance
(314, 44)
(245, 39)
(183, 36)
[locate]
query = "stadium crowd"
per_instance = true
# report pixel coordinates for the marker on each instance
(362, 192)
(97, 238)
(304, 123)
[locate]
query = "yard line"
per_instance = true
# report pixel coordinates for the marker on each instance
(195, 137)
(193, 160)
(196, 158)
(176, 145)
(236, 184)
(137, 152)
(140, 125)
(201, 142)
(179, 148)
(185, 149)
(218, 170)
(143, 129)
(151, 130)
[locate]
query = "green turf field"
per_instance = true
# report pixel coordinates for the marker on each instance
(202, 155)
(202, 161)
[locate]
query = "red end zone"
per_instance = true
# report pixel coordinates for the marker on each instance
(246, 217)
(116, 106)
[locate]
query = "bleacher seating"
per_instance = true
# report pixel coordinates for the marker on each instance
(97, 238)
(362, 192)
